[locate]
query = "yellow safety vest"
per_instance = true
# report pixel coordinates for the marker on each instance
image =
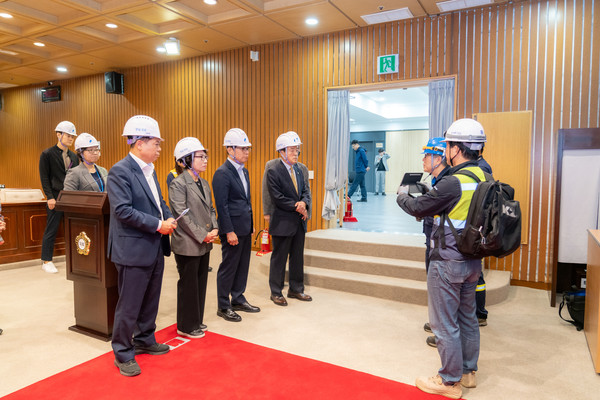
(458, 215)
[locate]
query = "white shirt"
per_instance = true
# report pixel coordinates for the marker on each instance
(240, 170)
(148, 171)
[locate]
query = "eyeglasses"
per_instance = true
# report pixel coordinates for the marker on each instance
(202, 157)
(93, 151)
(294, 150)
(244, 149)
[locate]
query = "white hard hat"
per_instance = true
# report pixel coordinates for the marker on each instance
(236, 137)
(66, 127)
(85, 140)
(467, 131)
(186, 146)
(287, 139)
(140, 126)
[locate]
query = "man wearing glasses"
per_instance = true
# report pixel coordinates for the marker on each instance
(291, 202)
(231, 188)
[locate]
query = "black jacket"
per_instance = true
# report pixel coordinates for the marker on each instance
(53, 171)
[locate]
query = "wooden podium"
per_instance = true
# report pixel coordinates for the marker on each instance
(94, 276)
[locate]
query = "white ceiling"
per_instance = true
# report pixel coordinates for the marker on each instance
(76, 37)
(390, 109)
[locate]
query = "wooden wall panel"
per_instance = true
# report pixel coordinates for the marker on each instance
(531, 55)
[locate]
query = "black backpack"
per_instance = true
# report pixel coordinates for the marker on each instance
(493, 225)
(575, 302)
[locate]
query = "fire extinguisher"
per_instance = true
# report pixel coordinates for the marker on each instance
(265, 242)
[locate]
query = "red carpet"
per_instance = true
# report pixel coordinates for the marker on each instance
(216, 367)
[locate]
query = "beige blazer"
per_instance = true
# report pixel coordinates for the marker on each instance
(79, 178)
(192, 228)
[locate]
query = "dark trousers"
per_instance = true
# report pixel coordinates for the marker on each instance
(135, 315)
(284, 246)
(359, 179)
(233, 271)
(191, 291)
(480, 298)
(52, 223)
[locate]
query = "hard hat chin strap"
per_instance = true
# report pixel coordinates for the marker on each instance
(60, 140)
(438, 164)
(284, 156)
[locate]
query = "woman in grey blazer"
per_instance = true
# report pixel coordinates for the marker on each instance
(192, 241)
(87, 176)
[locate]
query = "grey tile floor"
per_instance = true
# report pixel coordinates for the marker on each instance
(382, 214)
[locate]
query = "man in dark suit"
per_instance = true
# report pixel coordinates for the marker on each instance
(287, 225)
(138, 240)
(231, 187)
(54, 164)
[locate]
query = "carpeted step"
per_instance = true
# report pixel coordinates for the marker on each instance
(384, 287)
(405, 269)
(387, 287)
(404, 247)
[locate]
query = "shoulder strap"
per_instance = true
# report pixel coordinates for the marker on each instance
(469, 174)
(560, 308)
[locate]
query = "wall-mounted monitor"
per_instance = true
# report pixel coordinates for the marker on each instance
(51, 93)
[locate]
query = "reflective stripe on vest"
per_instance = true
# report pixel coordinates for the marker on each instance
(480, 288)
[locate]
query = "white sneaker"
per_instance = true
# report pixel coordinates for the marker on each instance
(49, 267)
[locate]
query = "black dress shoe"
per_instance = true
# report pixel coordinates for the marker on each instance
(279, 300)
(299, 296)
(361, 201)
(246, 307)
(203, 327)
(209, 269)
(228, 314)
(431, 341)
(427, 327)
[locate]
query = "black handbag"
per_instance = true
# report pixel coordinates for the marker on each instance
(575, 302)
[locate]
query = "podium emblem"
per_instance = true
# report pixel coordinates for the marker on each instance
(82, 241)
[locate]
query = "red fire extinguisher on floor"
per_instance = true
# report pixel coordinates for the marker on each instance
(348, 216)
(265, 242)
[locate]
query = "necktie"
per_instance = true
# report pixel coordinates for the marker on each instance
(293, 175)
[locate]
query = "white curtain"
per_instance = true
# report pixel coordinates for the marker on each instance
(441, 106)
(338, 149)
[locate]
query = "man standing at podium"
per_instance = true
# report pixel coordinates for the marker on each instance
(138, 240)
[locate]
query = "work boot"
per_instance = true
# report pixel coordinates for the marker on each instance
(431, 341)
(435, 385)
(468, 380)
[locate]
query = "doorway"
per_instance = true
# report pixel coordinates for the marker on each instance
(395, 120)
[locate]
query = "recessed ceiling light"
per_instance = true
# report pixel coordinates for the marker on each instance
(61, 69)
(311, 21)
(39, 44)
(452, 5)
(5, 15)
(211, 2)
(161, 49)
(172, 47)
(111, 26)
(388, 16)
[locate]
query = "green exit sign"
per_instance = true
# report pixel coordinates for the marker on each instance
(387, 64)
